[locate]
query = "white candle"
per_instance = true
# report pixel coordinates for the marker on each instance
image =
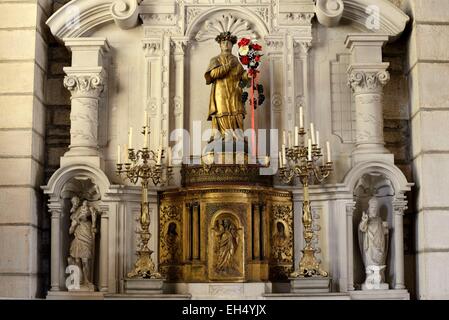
(296, 136)
(284, 137)
(309, 150)
(130, 138)
(169, 155)
(317, 139)
(280, 159)
(329, 158)
(145, 138)
(126, 154)
(284, 157)
(301, 117)
(312, 132)
(118, 154)
(146, 119)
(289, 139)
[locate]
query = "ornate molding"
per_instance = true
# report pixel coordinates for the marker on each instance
(227, 22)
(125, 13)
(159, 19)
(85, 86)
(274, 44)
(297, 18)
(197, 174)
(368, 82)
(329, 12)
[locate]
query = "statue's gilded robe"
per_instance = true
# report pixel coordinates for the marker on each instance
(226, 110)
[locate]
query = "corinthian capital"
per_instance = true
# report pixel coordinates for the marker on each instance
(368, 81)
(85, 85)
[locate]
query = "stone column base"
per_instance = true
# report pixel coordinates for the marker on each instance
(144, 286)
(310, 285)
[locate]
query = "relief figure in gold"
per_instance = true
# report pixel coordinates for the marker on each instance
(226, 246)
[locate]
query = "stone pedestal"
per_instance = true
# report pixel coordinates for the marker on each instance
(310, 285)
(144, 286)
(375, 278)
(380, 295)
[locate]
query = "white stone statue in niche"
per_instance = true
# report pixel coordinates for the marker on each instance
(373, 240)
(82, 249)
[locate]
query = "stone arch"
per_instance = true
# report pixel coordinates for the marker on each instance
(79, 18)
(63, 175)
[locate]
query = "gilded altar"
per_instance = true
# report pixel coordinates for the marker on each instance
(227, 229)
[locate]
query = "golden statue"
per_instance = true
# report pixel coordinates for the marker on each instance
(226, 109)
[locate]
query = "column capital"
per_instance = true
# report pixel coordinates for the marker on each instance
(152, 47)
(274, 43)
(368, 79)
(178, 45)
(303, 44)
(85, 82)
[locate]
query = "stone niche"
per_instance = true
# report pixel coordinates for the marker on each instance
(378, 186)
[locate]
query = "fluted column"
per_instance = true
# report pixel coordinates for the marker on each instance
(153, 87)
(367, 77)
(350, 244)
(104, 250)
(399, 207)
(55, 210)
(85, 80)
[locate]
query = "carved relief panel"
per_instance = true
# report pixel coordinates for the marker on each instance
(281, 233)
(170, 240)
(226, 247)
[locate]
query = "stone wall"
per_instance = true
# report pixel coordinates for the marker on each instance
(23, 65)
(397, 132)
(428, 75)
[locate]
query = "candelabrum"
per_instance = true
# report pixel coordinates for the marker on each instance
(303, 162)
(144, 165)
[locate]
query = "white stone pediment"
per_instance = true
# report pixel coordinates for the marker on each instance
(81, 17)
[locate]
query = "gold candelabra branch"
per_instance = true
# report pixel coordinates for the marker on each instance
(302, 161)
(144, 165)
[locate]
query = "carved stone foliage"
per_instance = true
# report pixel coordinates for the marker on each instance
(281, 257)
(368, 82)
(90, 85)
(297, 18)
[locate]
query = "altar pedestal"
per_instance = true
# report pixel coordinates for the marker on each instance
(310, 285)
(144, 286)
(226, 224)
